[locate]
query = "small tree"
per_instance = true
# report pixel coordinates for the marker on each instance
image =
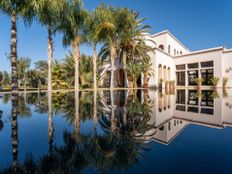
(6, 78)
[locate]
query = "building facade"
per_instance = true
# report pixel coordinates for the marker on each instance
(172, 61)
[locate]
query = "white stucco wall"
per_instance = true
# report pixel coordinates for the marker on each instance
(165, 38)
(227, 66)
(158, 57)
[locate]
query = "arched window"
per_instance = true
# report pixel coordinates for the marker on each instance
(174, 51)
(177, 53)
(169, 49)
(180, 52)
(161, 47)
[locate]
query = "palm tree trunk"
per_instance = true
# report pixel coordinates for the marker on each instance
(77, 116)
(94, 67)
(112, 58)
(76, 54)
(14, 84)
(50, 57)
(113, 121)
(124, 66)
(14, 131)
(95, 110)
(50, 122)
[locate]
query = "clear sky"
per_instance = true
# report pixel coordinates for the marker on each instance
(199, 24)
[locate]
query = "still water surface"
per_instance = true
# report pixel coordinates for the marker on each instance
(187, 131)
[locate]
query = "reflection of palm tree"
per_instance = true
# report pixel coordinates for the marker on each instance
(23, 108)
(77, 116)
(14, 130)
(95, 118)
(50, 122)
(132, 123)
(113, 126)
(1, 122)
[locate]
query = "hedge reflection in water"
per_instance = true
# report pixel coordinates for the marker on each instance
(122, 116)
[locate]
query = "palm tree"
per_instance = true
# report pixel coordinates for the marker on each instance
(127, 38)
(94, 26)
(15, 9)
(49, 13)
(72, 26)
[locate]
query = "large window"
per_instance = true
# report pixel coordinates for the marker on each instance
(180, 67)
(207, 64)
(180, 78)
(192, 97)
(208, 111)
(192, 65)
(193, 109)
(180, 107)
(180, 97)
(207, 75)
(192, 75)
(207, 98)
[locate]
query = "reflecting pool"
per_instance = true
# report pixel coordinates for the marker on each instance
(185, 131)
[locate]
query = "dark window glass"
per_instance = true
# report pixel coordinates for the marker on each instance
(207, 111)
(192, 75)
(192, 97)
(180, 76)
(180, 108)
(207, 75)
(207, 64)
(193, 109)
(180, 97)
(161, 47)
(180, 67)
(192, 65)
(207, 98)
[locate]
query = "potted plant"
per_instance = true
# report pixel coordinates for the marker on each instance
(215, 81)
(198, 81)
(224, 82)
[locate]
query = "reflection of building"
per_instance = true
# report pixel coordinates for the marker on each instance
(170, 114)
(205, 108)
(171, 60)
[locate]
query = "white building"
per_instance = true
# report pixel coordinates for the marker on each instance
(172, 61)
(171, 114)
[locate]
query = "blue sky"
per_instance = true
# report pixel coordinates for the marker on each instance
(199, 24)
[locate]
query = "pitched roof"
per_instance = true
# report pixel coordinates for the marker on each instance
(170, 34)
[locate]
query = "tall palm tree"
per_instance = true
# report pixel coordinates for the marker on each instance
(94, 26)
(15, 9)
(130, 40)
(49, 13)
(72, 26)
